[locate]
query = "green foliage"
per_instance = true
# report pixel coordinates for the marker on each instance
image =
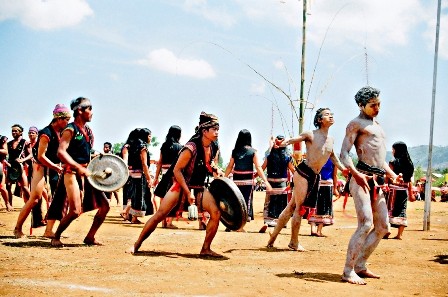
(116, 148)
(154, 141)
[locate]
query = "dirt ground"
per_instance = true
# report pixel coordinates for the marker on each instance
(168, 264)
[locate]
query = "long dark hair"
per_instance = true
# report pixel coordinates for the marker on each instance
(402, 160)
(174, 133)
(244, 139)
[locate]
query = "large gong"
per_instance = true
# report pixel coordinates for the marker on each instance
(108, 172)
(230, 202)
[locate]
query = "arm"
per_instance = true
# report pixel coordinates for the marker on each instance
(181, 163)
(144, 160)
(65, 157)
(4, 149)
(125, 154)
(42, 158)
(229, 167)
(261, 173)
(335, 182)
(351, 134)
(158, 170)
(391, 174)
(29, 153)
(338, 164)
(302, 137)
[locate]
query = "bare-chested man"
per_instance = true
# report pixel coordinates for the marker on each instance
(319, 147)
(369, 139)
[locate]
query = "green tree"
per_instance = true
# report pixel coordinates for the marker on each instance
(418, 173)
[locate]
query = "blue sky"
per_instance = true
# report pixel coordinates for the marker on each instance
(158, 63)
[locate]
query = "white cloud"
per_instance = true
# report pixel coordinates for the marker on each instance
(45, 14)
(258, 88)
(164, 60)
(430, 33)
(279, 64)
(379, 24)
(218, 15)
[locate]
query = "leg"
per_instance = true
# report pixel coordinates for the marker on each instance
(75, 207)
(209, 205)
(5, 196)
(295, 227)
(400, 232)
(357, 241)
(300, 192)
(38, 184)
(319, 230)
(49, 229)
(267, 200)
(380, 223)
(282, 221)
(97, 222)
(166, 205)
(9, 191)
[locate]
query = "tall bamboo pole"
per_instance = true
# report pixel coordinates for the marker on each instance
(427, 212)
(302, 68)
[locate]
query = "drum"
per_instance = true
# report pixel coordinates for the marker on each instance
(15, 171)
(108, 172)
(230, 202)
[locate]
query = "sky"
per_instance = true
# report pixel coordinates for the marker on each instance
(160, 63)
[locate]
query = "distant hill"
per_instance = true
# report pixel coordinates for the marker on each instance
(419, 156)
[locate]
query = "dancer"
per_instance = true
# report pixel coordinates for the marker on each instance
(168, 155)
(3, 165)
(74, 151)
(324, 205)
(15, 173)
(278, 163)
(138, 187)
(243, 160)
(45, 157)
(366, 134)
(399, 194)
(195, 162)
(319, 147)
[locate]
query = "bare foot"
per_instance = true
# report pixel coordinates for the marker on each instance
(353, 278)
(386, 236)
(18, 233)
(133, 249)
(398, 237)
(271, 241)
(48, 234)
(9, 207)
(263, 228)
(56, 243)
(202, 226)
(171, 226)
(367, 274)
(210, 253)
(91, 241)
(298, 248)
(136, 221)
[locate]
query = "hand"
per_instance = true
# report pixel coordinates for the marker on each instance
(84, 171)
(398, 179)
(361, 180)
(191, 199)
(155, 183)
(284, 143)
(58, 169)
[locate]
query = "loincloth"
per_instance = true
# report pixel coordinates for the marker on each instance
(309, 205)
